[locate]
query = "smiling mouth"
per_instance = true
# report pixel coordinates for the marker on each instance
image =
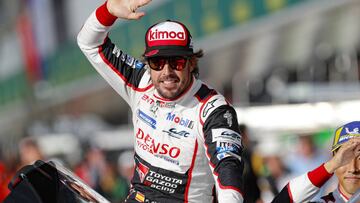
(169, 81)
(352, 178)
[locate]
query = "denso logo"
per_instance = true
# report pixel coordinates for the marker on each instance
(164, 35)
(180, 120)
(147, 143)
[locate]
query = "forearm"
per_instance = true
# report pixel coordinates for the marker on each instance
(95, 29)
(123, 72)
(224, 148)
(228, 175)
(304, 187)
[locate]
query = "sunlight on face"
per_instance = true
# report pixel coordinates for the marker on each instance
(349, 177)
(171, 83)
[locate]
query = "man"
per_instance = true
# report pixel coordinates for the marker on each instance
(345, 164)
(186, 134)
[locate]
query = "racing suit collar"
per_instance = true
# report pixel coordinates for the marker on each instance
(341, 195)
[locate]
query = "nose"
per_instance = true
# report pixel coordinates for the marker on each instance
(167, 69)
(355, 166)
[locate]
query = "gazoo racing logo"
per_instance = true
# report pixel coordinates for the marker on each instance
(158, 180)
(180, 120)
(162, 182)
(147, 143)
(142, 171)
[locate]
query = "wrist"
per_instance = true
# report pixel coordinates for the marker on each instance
(108, 8)
(330, 167)
(104, 16)
(319, 176)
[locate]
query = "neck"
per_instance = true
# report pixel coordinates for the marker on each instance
(345, 194)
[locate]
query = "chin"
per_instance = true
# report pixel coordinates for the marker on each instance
(352, 190)
(169, 95)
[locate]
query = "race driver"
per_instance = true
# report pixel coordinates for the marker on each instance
(187, 143)
(345, 164)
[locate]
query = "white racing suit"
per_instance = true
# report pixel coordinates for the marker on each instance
(184, 148)
(306, 186)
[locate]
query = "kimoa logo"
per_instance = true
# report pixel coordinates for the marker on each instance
(163, 35)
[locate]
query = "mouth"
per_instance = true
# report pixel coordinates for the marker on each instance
(352, 178)
(169, 82)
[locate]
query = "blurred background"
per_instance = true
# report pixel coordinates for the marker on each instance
(290, 67)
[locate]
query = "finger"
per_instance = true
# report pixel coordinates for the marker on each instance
(354, 142)
(357, 149)
(136, 15)
(143, 3)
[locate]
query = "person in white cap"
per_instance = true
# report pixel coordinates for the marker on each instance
(345, 163)
(187, 142)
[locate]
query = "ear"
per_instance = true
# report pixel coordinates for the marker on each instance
(192, 63)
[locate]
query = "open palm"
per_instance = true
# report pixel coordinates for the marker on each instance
(126, 9)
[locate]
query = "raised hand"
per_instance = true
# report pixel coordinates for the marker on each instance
(345, 154)
(126, 9)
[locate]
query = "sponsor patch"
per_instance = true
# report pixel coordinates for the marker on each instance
(227, 147)
(162, 182)
(147, 119)
(139, 197)
(226, 135)
(228, 116)
(129, 60)
(116, 51)
(345, 138)
(208, 107)
(142, 171)
(220, 156)
(147, 143)
(123, 56)
(172, 132)
(139, 64)
(158, 180)
(156, 33)
(180, 120)
(224, 149)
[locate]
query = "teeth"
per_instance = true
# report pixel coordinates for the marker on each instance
(169, 81)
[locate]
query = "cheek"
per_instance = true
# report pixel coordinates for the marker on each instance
(186, 75)
(154, 75)
(340, 172)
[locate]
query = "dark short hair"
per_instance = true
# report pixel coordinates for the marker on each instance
(198, 54)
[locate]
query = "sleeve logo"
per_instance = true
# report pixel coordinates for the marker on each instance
(226, 135)
(208, 107)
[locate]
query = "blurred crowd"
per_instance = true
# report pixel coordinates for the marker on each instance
(270, 163)
(110, 178)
